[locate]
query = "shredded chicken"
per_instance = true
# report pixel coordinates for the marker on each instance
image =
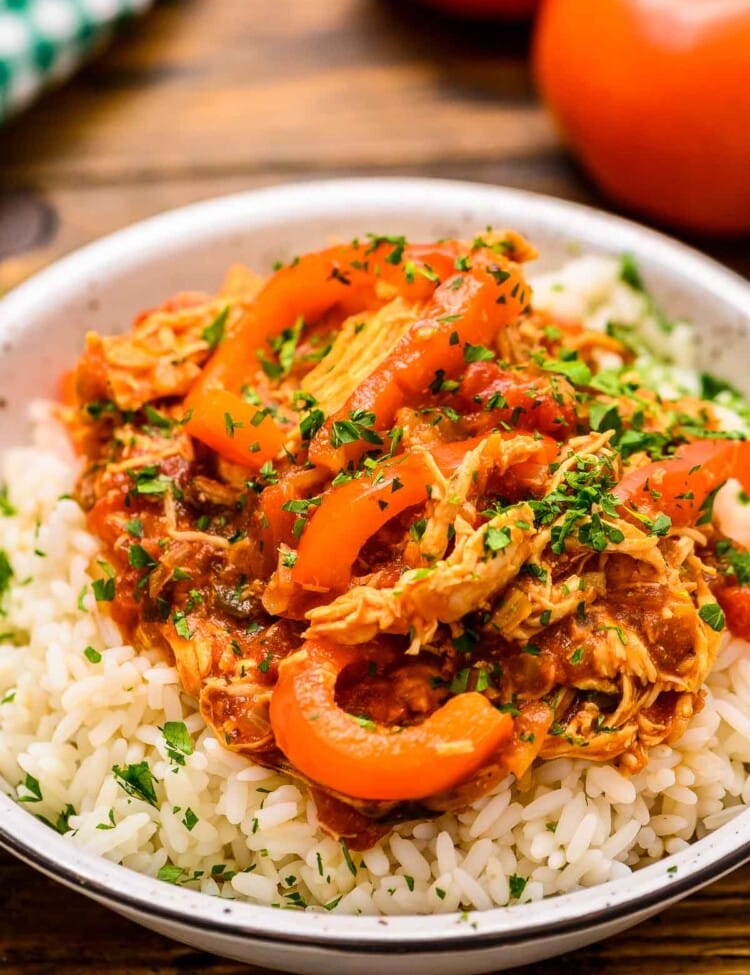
(455, 499)
(362, 344)
(482, 563)
(163, 353)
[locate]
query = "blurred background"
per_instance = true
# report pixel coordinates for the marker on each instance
(187, 99)
(637, 106)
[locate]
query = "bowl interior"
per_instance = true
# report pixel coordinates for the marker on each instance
(42, 325)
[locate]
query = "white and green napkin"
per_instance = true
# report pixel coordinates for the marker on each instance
(43, 41)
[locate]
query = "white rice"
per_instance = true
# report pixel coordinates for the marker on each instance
(232, 829)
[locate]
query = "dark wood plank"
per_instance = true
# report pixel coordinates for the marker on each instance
(47, 930)
(203, 98)
(38, 226)
(244, 86)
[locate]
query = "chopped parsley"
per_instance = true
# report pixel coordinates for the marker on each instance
(288, 558)
(364, 722)
(630, 273)
(149, 481)
(477, 353)
(62, 822)
(110, 824)
(568, 509)
(104, 589)
(660, 525)
(6, 572)
(169, 873)
(181, 625)
(460, 682)
(137, 780)
(573, 369)
(213, 334)
(265, 665)
(347, 858)
(496, 539)
(96, 408)
(466, 641)
(398, 244)
(189, 820)
(134, 527)
(711, 386)
(735, 562)
(311, 423)
(357, 427)
(139, 558)
(483, 681)
(178, 741)
(29, 790)
(6, 508)
(516, 885)
(230, 424)
(707, 508)
(157, 419)
(712, 616)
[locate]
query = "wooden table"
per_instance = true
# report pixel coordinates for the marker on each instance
(206, 97)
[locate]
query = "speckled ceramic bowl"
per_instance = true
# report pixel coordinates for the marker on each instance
(41, 327)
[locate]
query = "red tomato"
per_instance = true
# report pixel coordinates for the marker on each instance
(487, 9)
(735, 601)
(654, 97)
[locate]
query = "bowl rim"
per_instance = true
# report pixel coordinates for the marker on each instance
(659, 883)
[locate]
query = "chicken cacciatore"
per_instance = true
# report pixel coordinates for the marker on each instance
(402, 533)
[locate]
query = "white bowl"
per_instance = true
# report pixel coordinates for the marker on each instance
(41, 327)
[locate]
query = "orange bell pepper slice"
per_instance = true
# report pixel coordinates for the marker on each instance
(309, 287)
(235, 429)
(317, 282)
(331, 748)
(350, 514)
(680, 486)
(276, 522)
(467, 309)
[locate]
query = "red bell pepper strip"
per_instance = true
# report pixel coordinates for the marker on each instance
(332, 748)
(679, 486)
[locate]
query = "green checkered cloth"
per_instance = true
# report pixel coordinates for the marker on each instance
(43, 41)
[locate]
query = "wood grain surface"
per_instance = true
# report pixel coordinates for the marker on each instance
(206, 97)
